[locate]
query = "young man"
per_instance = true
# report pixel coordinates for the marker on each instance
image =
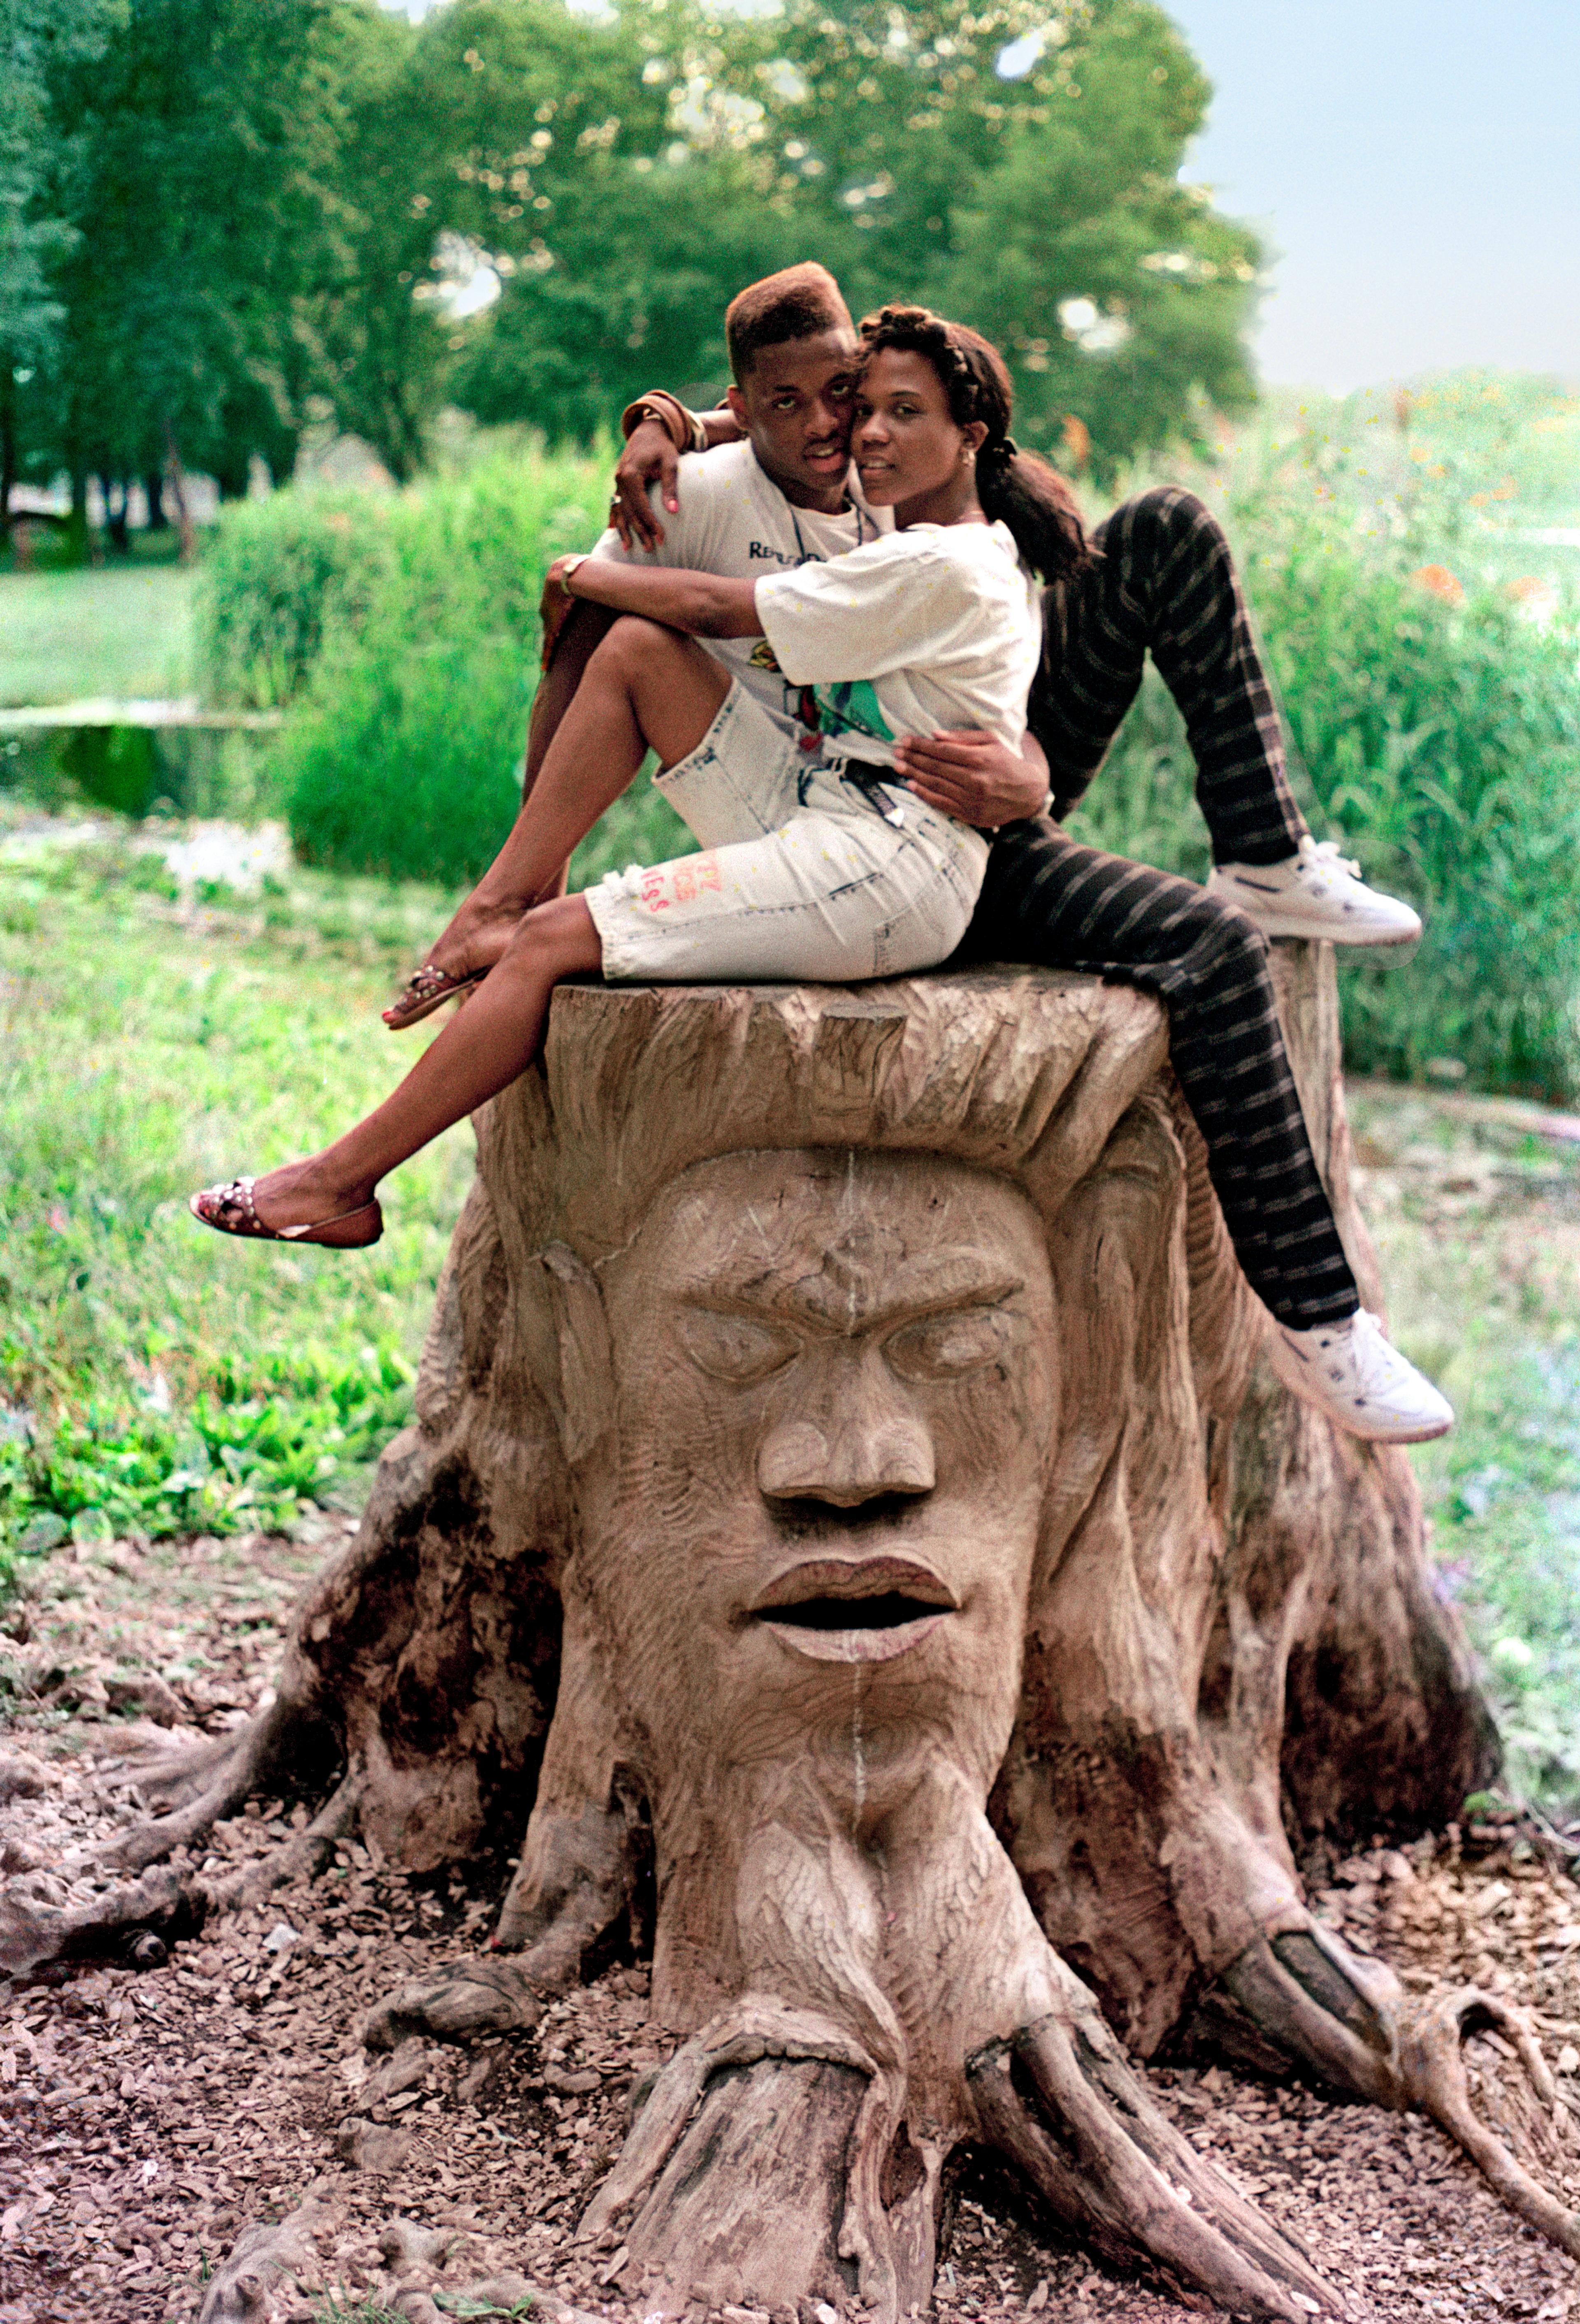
(780, 494)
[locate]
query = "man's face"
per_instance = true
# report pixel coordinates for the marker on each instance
(796, 407)
(836, 1397)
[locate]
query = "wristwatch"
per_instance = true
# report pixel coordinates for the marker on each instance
(568, 568)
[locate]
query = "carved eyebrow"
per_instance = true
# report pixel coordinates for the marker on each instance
(787, 1304)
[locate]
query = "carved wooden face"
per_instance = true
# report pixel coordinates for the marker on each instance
(835, 1379)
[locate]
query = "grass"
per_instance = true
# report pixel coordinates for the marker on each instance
(123, 630)
(155, 1376)
(1478, 1230)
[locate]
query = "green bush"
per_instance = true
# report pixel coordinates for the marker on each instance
(277, 575)
(1442, 743)
(256, 1455)
(402, 751)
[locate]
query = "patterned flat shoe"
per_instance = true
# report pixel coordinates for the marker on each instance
(231, 1210)
(425, 989)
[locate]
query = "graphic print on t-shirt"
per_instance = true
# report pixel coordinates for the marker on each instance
(852, 707)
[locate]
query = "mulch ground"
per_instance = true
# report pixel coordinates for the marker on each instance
(147, 2117)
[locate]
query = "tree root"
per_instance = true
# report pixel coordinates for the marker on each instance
(1069, 2110)
(268, 2263)
(32, 1936)
(578, 1876)
(164, 1903)
(1325, 2010)
(723, 2240)
(243, 1762)
(743, 2035)
(277, 2269)
(1307, 2000)
(576, 1879)
(455, 2002)
(1433, 2060)
(302, 1857)
(1059, 2101)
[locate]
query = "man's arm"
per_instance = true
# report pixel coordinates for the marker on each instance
(652, 456)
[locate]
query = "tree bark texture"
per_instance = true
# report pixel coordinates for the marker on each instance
(847, 1478)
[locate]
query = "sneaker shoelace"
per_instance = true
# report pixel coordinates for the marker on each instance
(1377, 1365)
(1325, 855)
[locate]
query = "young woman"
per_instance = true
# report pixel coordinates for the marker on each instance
(815, 865)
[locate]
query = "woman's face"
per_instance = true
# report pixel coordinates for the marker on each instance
(904, 442)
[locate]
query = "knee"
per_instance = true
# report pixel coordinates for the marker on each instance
(529, 943)
(549, 940)
(633, 644)
(1221, 933)
(1165, 519)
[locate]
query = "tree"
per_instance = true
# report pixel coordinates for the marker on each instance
(38, 39)
(203, 148)
(379, 353)
(847, 1503)
(1124, 298)
(616, 268)
(693, 153)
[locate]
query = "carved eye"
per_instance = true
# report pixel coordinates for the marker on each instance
(948, 1347)
(734, 1347)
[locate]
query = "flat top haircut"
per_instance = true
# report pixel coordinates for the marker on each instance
(799, 303)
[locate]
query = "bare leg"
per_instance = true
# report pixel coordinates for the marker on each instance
(495, 1037)
(581, 634)
(645, 688)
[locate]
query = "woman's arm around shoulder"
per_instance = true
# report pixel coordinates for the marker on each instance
(700, 603)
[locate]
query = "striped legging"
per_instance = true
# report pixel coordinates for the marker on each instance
(1166, 584)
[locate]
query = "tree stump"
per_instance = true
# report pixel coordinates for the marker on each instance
(848, 1482)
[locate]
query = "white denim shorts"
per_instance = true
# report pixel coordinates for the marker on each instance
(811, 869)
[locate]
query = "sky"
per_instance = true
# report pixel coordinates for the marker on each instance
(1414, 165)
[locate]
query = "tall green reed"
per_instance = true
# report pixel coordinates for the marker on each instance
(1437, 737)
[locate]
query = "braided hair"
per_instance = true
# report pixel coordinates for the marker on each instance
(1014, 489)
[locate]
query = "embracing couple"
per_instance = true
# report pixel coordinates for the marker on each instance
(913, 652)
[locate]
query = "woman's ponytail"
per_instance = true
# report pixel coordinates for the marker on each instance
(1015, 489)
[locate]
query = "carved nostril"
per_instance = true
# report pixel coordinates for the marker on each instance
(844, 1466)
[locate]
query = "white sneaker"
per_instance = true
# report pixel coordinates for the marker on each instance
(1317, 894)
(1350, 1372)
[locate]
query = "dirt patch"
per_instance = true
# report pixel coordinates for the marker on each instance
(150, 2116)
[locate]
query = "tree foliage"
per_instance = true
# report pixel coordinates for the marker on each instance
(38, 38)
(236, 213)
(205, 207)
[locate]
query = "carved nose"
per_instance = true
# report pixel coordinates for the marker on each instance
(845, 1462)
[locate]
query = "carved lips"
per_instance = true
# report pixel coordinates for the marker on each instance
(855, 1610)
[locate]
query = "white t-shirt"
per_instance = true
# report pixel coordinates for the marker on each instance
(913, 633)
(735, 522)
